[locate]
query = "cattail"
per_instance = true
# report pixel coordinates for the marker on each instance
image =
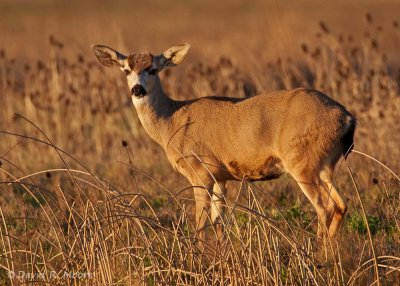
(304, 47)
(350, 38)
(89, 64)
(55, 43)
(81, 58)
(324, 27)
(40, 65)
(354, 51)
(51, 40)
(316, 53)
(220, 63)
(372, 72)
(229, 62)
(374, 44)
(27, 67)
(368, 17)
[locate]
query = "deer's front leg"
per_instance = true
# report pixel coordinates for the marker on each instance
(218, 207)
(202, 199)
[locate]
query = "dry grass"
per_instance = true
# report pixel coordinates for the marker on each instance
(75, 201)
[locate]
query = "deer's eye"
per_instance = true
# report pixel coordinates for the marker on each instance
(153, 71)
(127, 72)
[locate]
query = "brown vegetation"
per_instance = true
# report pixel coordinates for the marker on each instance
(84, 189)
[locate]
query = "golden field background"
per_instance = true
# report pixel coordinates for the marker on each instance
(347, 49)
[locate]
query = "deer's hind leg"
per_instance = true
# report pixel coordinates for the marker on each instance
(314, 188)
(326, 176)
(324, 205)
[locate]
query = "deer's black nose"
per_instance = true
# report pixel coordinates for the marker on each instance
(138, 90)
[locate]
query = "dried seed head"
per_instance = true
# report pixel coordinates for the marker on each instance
(368, 17)
(124, 143)
(48, 175)
(55, 43)
(324, 27)
(350, 38)
(375, 181)
(40, 65)
(372, 72)
(354, 51)
(81, 58)
(316, 53)
(51, 40)
(374, 44)
(304, 47)
(27, 67)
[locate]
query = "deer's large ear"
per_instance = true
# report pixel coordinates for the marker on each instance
(173, 56)
(108, 57)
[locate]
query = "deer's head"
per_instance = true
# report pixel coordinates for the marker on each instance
(141, 69)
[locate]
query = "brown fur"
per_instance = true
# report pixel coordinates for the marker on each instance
(140, 62)
(271, 169)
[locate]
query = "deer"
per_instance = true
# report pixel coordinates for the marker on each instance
(214, 139)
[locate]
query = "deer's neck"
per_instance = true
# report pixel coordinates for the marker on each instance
(155, 112)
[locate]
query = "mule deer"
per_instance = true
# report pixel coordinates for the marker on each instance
(214, 139)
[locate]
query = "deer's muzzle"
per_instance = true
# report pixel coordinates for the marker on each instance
(138, 90)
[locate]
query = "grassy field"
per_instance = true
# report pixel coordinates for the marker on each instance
(87, 198)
